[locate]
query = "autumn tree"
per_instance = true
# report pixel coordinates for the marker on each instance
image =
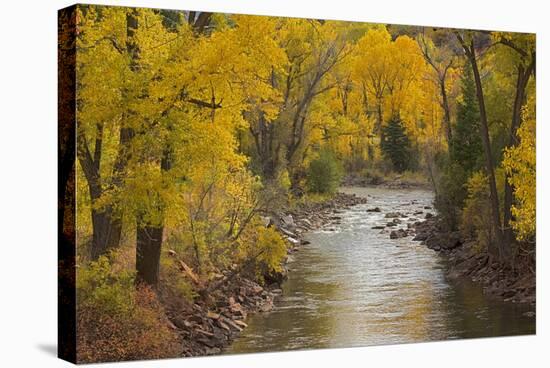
(373, 68)
(470, 42)
(520, 164)
(442, 60)
(101, 117)
(520, 50)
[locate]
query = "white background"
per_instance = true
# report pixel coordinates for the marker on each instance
(28, 150)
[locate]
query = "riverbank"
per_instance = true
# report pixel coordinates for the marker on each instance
(516, 284)
(510, 284)
(216, 318)
(407, 180)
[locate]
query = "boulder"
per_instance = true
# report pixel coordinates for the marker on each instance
(233, 324)
(223, 325)
(306, 223)
(421, 237)
(240, 323)
(452, 241)
(288, 220)
(445, 241)
(375, 209)
(434, 241)
(266, 221)
(256, 289)
(396, 234)
(212, 315)
(287, 232)
(267, 306)
(293, 241)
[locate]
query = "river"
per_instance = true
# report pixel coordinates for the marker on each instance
(353, 286)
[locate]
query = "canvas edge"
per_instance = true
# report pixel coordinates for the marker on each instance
(66, 185)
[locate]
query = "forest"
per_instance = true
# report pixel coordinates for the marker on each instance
(196, 129)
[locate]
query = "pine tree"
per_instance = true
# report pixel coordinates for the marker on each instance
(395, 144)
(466, 149)
(465, 154)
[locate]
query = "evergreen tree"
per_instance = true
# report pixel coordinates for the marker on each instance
(395, 144)
(466, 149)
(465, 155)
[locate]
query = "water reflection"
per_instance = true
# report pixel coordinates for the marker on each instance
(353, 286)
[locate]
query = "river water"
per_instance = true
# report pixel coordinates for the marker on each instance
(353, 286)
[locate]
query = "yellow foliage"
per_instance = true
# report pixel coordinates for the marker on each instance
(520, 164)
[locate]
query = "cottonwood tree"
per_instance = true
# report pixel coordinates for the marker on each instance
(442, 60)
(519, 49)
(471, 43)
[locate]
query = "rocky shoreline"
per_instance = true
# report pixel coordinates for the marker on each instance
(209, 325)
(397, 182)
(464, 262)
(515, 285)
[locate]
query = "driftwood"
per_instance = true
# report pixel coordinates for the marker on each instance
(189, 272)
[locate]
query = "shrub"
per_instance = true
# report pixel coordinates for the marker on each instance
(116, 321)
(373, 176)
(324, 173)
(173, 281)
(261, 251)
(450, 196)
(476, 217)
(273, 249)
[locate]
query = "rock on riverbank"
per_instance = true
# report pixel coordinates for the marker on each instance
(395, 182)
(498, 280)
(211, 323)
(215, 320)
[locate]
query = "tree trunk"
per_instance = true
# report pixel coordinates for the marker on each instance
(522, 80)
(149, 236)
(447, 112)
(380, 118)
(149, 239)
(495, 208)
(149, 243)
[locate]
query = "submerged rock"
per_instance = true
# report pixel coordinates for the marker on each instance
(393, 215)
